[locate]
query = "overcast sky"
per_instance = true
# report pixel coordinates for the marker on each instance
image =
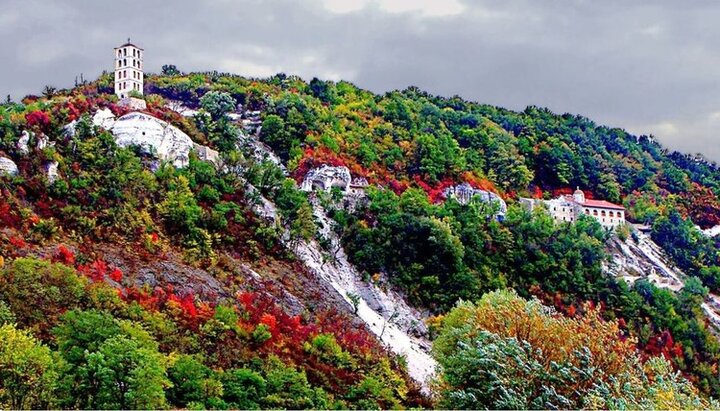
(649, 67)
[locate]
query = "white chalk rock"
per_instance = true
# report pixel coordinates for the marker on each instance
(205, 153)
(51, 171)
(23, 143)
(104, 118)
(154, 136)
(8, 167)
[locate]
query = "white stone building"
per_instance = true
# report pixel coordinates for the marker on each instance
(128, 69)
(568, 208)
(325, 178)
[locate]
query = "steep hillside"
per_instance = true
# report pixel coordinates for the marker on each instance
(180, 231)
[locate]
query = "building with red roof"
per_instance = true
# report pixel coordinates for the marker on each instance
(568, 208)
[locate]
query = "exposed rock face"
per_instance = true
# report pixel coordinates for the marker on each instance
(154, 136)
(384, 312)
(325, 177)
(180, 108)
(104, 118)
(464, 193)
(8, 167)
(51, 171)
(207, 154)
(23, 144)
(260, 151)
(641, 257)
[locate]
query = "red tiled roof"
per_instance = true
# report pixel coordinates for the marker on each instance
(602, 204)
(596, 203)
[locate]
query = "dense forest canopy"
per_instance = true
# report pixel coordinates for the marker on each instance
(196, 351)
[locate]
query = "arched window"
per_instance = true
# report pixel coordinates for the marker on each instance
(587, 211)
(611, 214)
(602, 213)
(595, 213)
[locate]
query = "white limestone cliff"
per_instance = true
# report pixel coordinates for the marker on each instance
(154, 136)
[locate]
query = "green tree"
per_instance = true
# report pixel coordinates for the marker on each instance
(37, 291)
(218, 104)
(27, 370)
(170, 70)
(276, 136)
(180, 209)
(243, 388)
(192, 381)
(109, 363)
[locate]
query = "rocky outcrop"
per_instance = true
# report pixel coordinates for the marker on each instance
(385, 313)
(325, 178)
(51, 171)
(154, 136)
(641, 258)
(104, 118)
(23, 144)
(205, 153)
(8, 167)
(464, 193)
(259, 151)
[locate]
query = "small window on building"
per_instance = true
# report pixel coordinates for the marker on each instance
(595, 213)
(602, 213)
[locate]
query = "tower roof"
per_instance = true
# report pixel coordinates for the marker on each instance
(128, 43)
(578, 191)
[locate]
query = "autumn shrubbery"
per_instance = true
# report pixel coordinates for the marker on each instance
(506, 352)
(169, 350)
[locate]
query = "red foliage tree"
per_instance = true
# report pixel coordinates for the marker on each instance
(38, 120)
(64, 256)
(116, 275)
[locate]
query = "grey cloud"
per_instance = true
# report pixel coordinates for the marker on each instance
(650, 67)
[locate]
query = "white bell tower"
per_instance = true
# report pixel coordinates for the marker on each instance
(128, 69)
